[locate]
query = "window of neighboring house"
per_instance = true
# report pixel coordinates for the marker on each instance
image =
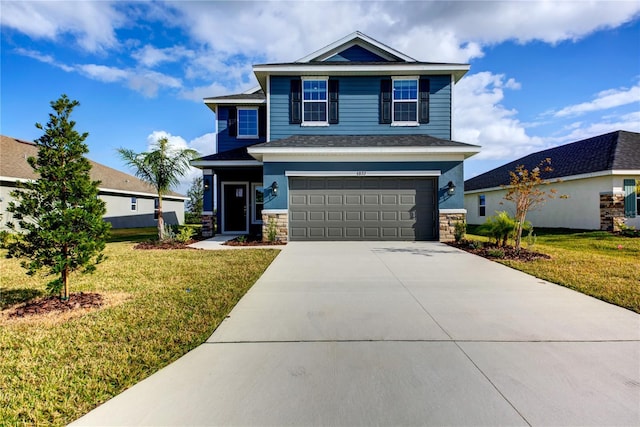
(257, 203)
(405, 101)
(248, 122)
(156, 207)
(482, 205)
(134, 204)
(314, 101)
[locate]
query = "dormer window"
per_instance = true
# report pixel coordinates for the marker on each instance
(314, 101)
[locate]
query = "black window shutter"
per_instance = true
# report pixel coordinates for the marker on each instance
(424, 100)
(385, 101)
(295, 102)
(333, 101)
(232, 121)
(262, 121)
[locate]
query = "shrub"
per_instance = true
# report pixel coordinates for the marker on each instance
(185, 234)
(460, 229)
(496, 253)
(272, 230)
(628, 230)
(500, 227)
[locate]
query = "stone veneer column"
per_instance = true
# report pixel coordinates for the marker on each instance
(280, 218)
(208, 222)
(448, 223)
(611, 211)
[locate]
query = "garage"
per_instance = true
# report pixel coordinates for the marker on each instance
(362, 208)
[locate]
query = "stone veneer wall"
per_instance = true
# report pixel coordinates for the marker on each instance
(611, 211)
(447, 225)
(208, 229)
(281, 223)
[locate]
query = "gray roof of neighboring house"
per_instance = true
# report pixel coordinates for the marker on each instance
(352, 141)
(618, 150)
(13, 164)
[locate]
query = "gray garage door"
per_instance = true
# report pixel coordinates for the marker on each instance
(362, 208)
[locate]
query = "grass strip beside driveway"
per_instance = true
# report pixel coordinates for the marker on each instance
(597, 263)
(165, 303)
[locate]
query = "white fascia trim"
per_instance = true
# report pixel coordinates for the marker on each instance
(561, 179)
(351, 40)
(275, 211)
(355, 157)
(335, 69)
(252, 90)
(453, 211)
(248, 101)
(213, 164)
(626, 172)
(362, 173)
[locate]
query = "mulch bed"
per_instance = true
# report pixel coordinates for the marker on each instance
(234, 242)
(487, 251)
(163, 245)
(55, 304)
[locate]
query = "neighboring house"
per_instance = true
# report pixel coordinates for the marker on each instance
(600, 176)
(352, 142)
(129, 201)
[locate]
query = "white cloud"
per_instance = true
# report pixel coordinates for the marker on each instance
(604, 100)
(103, 73)
(91, 23)
(150, 56)
(577, 131)
(481, 119)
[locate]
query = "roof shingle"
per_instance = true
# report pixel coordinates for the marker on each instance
(351, 141)
(618, 150)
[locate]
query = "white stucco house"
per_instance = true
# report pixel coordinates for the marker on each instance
(130, 202)
(600, 176)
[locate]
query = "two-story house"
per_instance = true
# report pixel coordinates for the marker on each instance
(352, 142)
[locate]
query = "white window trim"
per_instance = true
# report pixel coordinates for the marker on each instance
(256, 136)
(255, 185)
(326, 102)
(134, 204)
(480, 197)
(393, 102)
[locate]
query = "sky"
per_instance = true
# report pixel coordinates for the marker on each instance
(542, 73)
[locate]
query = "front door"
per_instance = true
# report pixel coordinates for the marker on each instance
(235, 198)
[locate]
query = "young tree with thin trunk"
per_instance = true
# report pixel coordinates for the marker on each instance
(526, 192)
(59, 215)
(195, 203)
(161, 168)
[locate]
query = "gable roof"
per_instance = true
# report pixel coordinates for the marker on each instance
(618, 150)
(359, 39)
(14, 167)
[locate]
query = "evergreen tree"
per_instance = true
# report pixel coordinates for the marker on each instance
(195, 203)
(59, 215)
(161, 167)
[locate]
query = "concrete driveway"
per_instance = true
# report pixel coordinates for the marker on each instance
(412, 333)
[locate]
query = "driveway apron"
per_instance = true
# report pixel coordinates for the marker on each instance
(398, 333)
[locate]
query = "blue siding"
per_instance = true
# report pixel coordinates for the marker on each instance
(450, 171)
(226, 142)
(356, 53)
(358, 110)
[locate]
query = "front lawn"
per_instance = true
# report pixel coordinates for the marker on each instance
(162, 304)
(597, 263)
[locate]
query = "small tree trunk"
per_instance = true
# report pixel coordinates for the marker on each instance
(161, 235)
(65, 284)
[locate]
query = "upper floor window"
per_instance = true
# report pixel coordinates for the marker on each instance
(247, 122)
(314, 101)
(405, 101)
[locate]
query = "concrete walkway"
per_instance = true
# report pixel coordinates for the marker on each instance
(217, 244)
(387, 333)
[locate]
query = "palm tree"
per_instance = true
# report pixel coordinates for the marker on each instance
(161, 167)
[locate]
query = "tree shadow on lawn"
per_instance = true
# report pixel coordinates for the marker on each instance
(10, 297)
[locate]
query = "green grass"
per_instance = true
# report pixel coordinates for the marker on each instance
(596, 263)
(164, 303)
